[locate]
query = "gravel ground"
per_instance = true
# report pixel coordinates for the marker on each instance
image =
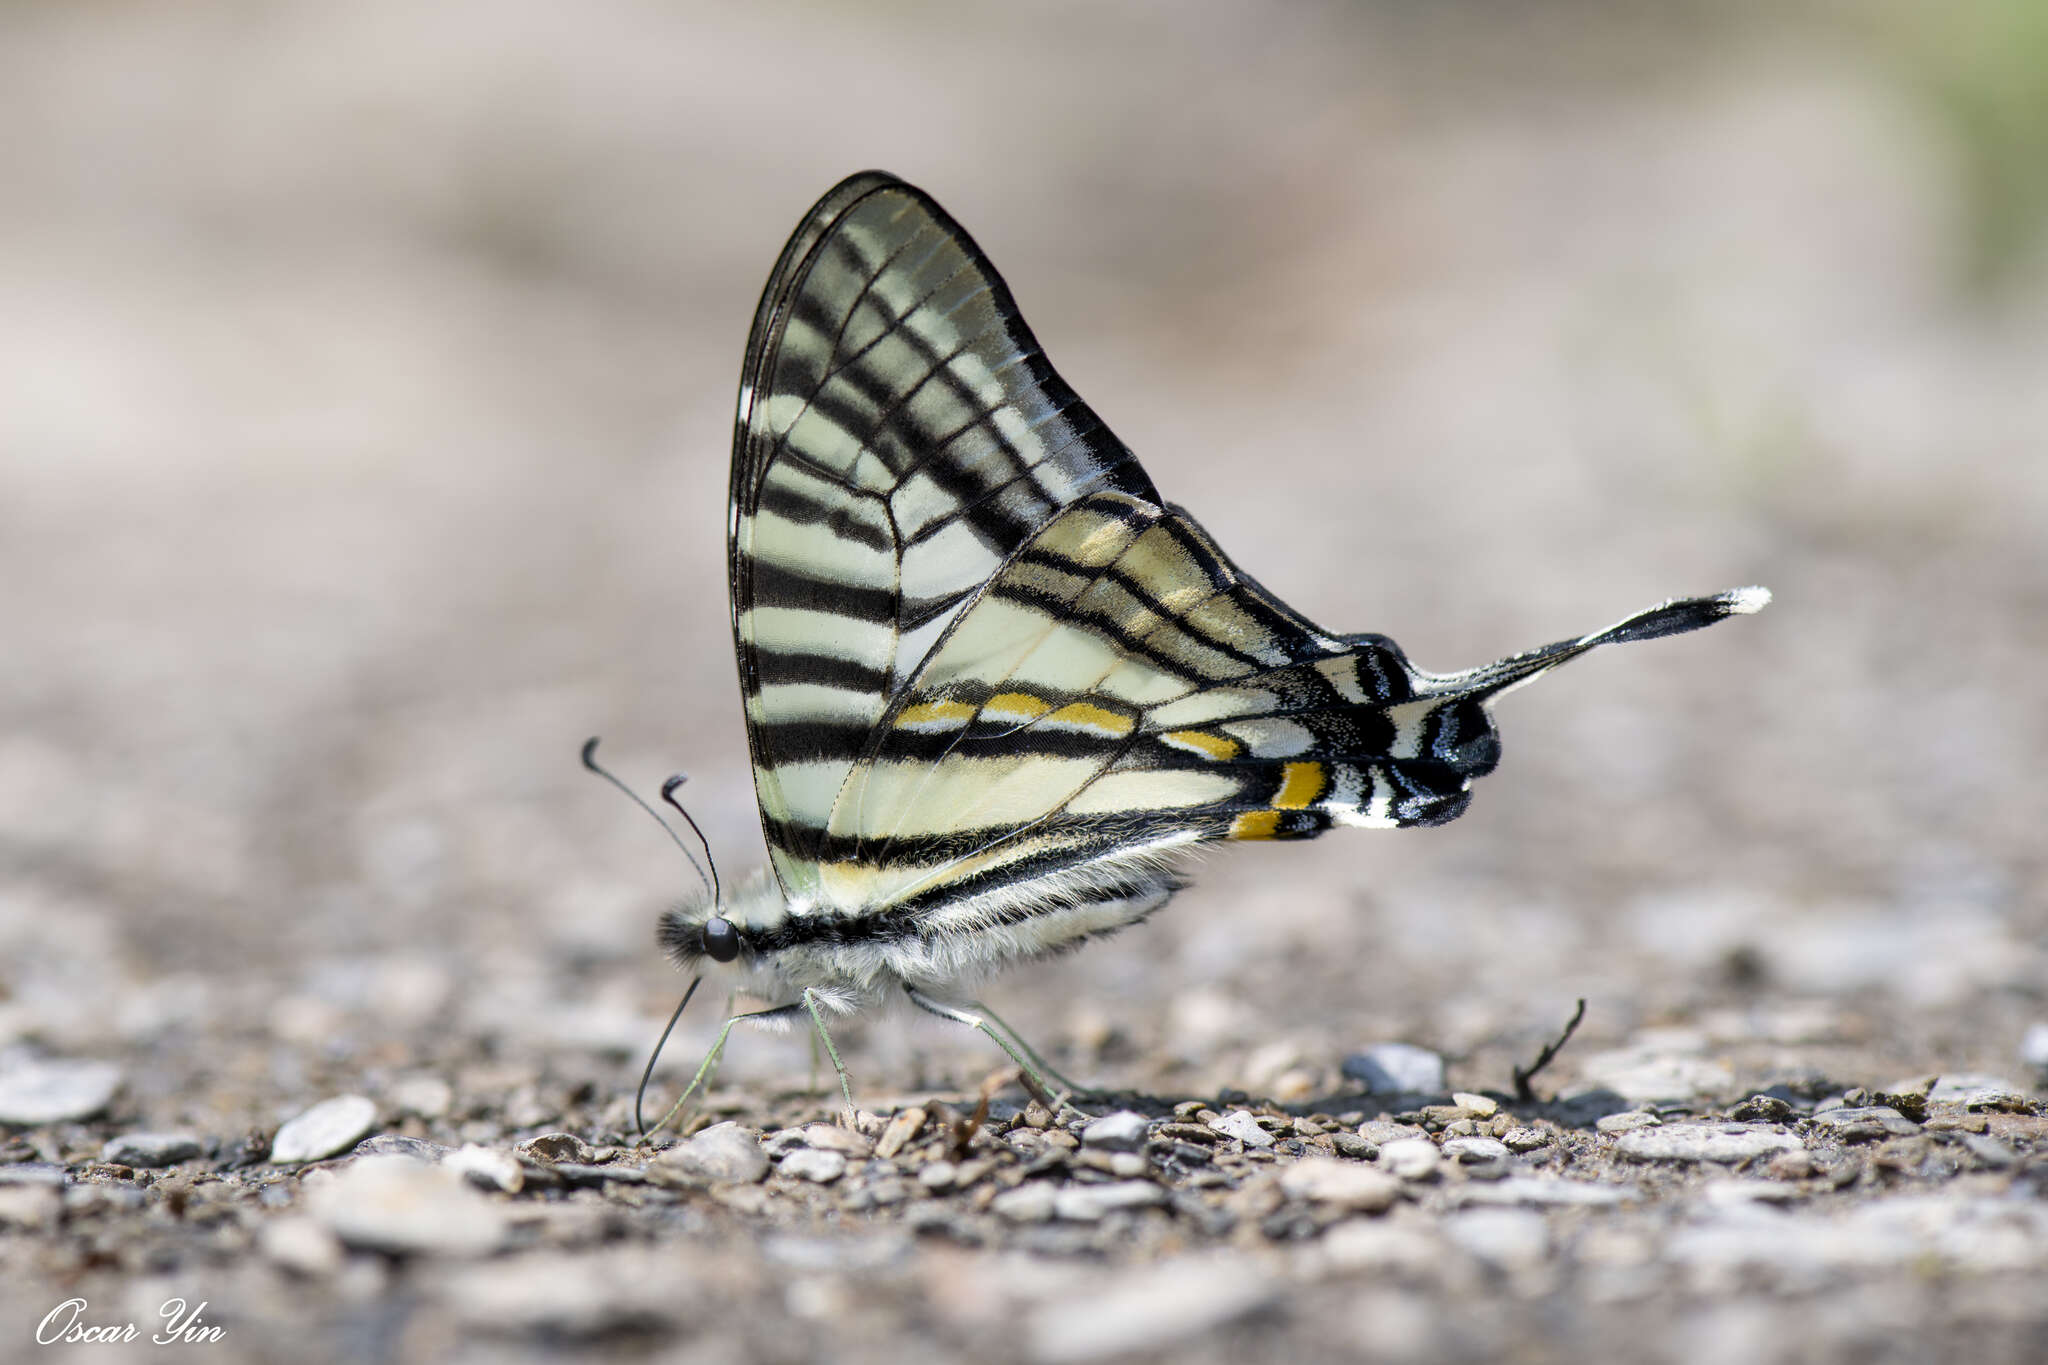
(365, 387)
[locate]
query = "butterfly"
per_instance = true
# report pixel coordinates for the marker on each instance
(994, 682)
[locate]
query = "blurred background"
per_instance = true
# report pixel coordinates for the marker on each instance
(366, 378)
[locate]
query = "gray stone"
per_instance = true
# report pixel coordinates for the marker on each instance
(830, 1137)
(808, 1163)
(36, 1093)
(1544, 1192)
(1148, 1309)
(1724, 1143)
(1655, 1074)
(487, 1168)
(1123, 1131)
(2034, 1047)
(424, 1094)
(33, 1173)
(1384, 1131)
(1625, 1122)
(1477, 1105)
(1473, 1151)
(149, 1150)
(1989, 1151)
(1240, 1124)
(31, 1208)
(1031, 1202)
(1525, 1139)
(305, 1246)
(724, 1153)
(1509, 1237)
(1340, 1184)
(1977, 1091)
(397, 1144)
(1865, 1123)
(329, 1127)
(1354, 1146)
(1089, 1203)
(1410, 1158)
(1386, 1068)
(396, 1204)
(553, 1148)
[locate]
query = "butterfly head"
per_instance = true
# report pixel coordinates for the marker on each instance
(702, 934)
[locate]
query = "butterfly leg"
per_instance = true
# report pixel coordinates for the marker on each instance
(818, 1023)
(710, 1064)
(1045, 1068)
(1039, 1074)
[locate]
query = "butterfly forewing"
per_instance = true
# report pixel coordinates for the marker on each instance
(899, 435)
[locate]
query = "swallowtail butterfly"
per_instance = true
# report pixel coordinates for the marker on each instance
(994, 682)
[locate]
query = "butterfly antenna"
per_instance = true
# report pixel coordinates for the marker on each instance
(668, 794)
(710, 882)
(648, 1074)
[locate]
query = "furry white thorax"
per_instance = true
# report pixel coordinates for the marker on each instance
(957, 945)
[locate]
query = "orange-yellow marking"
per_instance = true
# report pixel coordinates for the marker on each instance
(935, 712)
(1203, 743)
(1300, 784)
(1090, 717)
(1255, 824)
(1015, 706)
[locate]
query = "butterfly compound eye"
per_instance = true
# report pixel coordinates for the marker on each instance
(721, 940)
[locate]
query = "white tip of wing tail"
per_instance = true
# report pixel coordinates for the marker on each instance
(1746, 601)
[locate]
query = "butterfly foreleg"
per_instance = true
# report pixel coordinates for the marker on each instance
(709, 1067)
(1041, 1076)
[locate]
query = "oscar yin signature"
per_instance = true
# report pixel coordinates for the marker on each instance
(64, 1325)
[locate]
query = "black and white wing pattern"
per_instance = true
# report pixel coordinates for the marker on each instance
(984, 663)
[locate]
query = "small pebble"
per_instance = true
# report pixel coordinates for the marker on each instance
(809, 1163)
(1989, 1151)
(1791, 1166)
(1340, 1184)
(1866, 1123)
(1382, 1131)
(1510, 1237)
(1980, 1092)
(395, 1144)
(1031, 1202)
(1723, 1143)
(1354, 1146)
(1387, 1068)
(723, 1154)
(1240, 1124)
(302, 1245)
(329, 1127)
(1761, 1109)
(1410, 1158)
(1525, 1139)
(1123, 1131)
(30, 1208)
(396, 1204)
(423, 1094)
(830, 1137)
(1626, 1122)
(938, 1176)
(1536, 1191)
(1089, 1203)
(150, 1150)
(1479, 1106)
(902, 1128)
(1474, 1151)
(36, 1093)
(1150, 1310)
(488, 1168)
(2034, 1048)
(557, 1147)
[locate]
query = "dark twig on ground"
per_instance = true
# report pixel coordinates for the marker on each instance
(1524, 1075)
